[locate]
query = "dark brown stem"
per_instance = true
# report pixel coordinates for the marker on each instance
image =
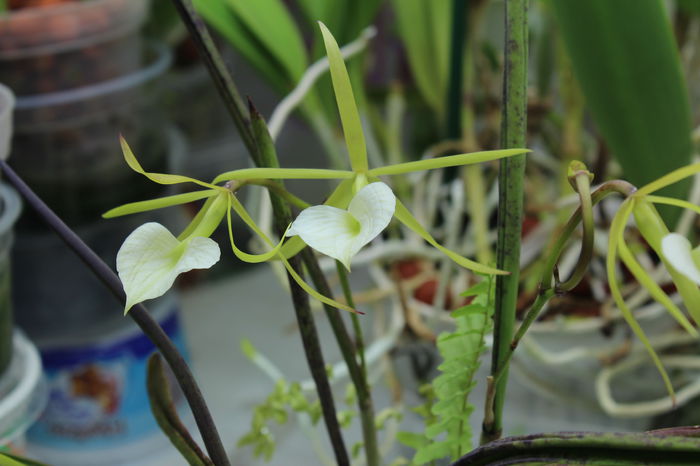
(138, 313)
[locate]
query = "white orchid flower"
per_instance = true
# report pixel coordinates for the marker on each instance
(681, 256)
(340, 233)
(151, 258)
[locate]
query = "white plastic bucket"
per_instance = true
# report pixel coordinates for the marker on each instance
(98, 411)
(22, 395)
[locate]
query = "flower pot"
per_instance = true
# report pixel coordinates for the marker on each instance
(66, 142)
(69, 45)
(98, 411)
(555, 369)
(22, 395)
(9, 211)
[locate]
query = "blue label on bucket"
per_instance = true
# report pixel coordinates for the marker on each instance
(97, 393)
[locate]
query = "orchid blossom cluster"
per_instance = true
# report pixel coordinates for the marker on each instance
(356, 212)
(673, 249)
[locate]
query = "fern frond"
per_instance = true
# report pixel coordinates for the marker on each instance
(449, 435)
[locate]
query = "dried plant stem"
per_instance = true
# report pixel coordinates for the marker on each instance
(138, 313)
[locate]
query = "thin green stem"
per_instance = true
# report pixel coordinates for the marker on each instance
(369, 429)
(347, 292)
(546, 288)
(510, 212)
(583, 187)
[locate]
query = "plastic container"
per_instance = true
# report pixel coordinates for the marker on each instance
(7, 106)
(10, 207)
(98, 411)
(66, 143)
(22, 395)
(67, 45)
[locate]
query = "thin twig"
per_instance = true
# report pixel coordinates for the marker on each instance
(138, 313)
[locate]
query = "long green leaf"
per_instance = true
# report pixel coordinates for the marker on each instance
(424, 29)
(624, 56)
(272, 25)
(223, 19)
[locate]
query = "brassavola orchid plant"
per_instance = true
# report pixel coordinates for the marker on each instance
(357, 211)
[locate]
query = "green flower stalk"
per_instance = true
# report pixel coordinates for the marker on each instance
(358, 215)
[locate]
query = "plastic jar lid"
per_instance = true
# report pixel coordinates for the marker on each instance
(50, 30)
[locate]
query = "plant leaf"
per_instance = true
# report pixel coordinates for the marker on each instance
(638, 100)
(426, 45)
(271, 24)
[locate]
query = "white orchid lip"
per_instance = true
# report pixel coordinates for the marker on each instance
(681, 256)
(151, 258)
(340, 233)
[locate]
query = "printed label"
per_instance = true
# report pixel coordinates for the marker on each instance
(97, 393)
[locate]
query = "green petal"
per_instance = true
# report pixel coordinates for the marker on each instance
(448, 161)
(410, 221)
(212, 216)
(655, 290)
(617, 229)
(240, 210)
(152, 204)
(194, 223)
(349, 116)
(673, 201)
(244, 256)
(669, 179)
(161, 178)
(283, 173)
